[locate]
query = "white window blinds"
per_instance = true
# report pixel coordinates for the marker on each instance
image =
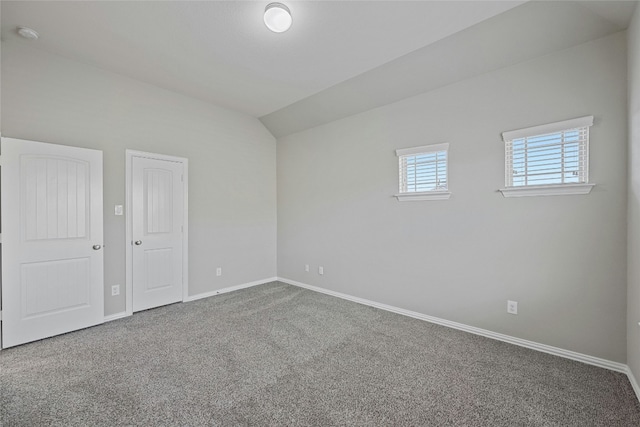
(423, 169)
(557, 153)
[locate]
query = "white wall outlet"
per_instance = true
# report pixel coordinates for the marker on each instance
(115, 290)
(118, 210)
(306, 268)
(219, 271)
(512, 307)
(321, 270)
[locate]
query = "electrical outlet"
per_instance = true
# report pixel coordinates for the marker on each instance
(306, 268)
(219, 271)
(512, 307)
(115, 290)
(321, 270)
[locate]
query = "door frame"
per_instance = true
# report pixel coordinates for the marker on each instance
(129, 155)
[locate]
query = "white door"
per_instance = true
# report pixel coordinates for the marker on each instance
(157, 203)
(52, 258)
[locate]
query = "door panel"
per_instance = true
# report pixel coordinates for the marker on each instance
(55, 194)
(54, 286)
(158, 187)
(51, 219)
(159, 267)
(157, 211)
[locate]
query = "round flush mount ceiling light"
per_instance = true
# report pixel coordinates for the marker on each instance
(28, 33)
(277, 17)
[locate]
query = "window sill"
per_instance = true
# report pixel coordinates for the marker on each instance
(427, 195)
(547, 190)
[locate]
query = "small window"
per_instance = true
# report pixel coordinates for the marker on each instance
(423, 173)
(548, 160)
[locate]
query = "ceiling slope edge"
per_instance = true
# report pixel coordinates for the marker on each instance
(526, 32)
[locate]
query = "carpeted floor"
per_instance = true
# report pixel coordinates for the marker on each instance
(283, 356)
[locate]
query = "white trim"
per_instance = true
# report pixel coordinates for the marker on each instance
(230, 289)
(547, 190)
(423, 149)
(423, 195)
(128, 250)
(634, 383)
(585, 358)
(185, 230)
(548, 128)
(156, 156)
(123, 314)
(129, 155)
(116, 316)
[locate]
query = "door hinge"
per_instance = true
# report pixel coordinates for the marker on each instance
(0, 315)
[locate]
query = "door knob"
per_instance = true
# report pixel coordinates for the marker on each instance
(138, 242)
(97, 247)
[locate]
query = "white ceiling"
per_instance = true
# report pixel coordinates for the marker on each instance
(531, 30)
(221, 52)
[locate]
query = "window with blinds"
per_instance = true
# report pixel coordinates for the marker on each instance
(557, 153)
(423, 170)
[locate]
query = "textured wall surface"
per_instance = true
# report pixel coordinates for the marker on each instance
(563, 258)
(232, 169)
(633, 297)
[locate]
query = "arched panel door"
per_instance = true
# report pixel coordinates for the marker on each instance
(52, 237)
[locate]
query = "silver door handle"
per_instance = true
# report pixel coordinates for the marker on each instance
(138, 242)
(97, 247)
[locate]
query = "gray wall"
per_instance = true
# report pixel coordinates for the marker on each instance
(563, 258)
(633, 297)
(459, 259)
(232, 169)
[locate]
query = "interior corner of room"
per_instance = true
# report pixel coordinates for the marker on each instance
(287, 172)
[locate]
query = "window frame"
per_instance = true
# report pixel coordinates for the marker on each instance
(402, 173)
(547, 189)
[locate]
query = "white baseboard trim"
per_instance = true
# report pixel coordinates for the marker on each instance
(229, 289)
(585, 358)
(634, 383)
(116, 316)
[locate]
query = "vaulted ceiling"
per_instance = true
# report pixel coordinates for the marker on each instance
(338, 59)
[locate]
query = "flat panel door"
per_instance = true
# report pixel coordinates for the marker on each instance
(157, 211)
(52, 258)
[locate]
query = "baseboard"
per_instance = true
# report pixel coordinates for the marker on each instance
(585, 358)
(229, 289)
(116, 316)
(634, 383)
(122, 314)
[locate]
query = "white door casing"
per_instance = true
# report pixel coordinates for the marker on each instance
(157, 242)
(52, 237)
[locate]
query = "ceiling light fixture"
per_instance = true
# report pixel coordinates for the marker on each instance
(277, 17)
(28, 33)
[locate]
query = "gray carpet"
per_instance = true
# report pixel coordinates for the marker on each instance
(282, 356)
